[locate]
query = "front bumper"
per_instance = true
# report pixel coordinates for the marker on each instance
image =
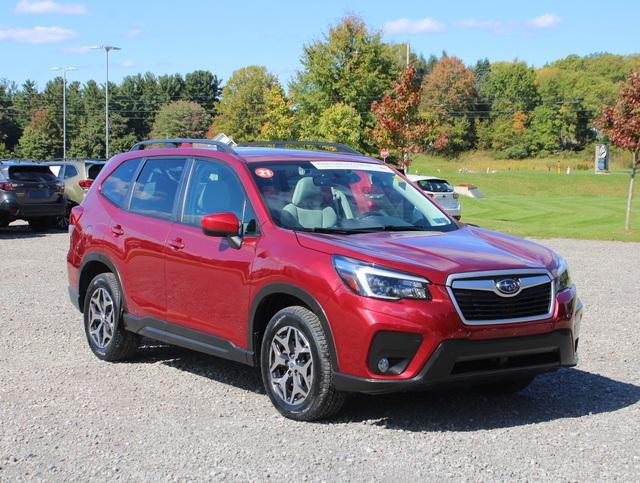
(462, 362)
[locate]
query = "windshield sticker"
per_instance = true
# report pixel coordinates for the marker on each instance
(264, 173)
(380, 168)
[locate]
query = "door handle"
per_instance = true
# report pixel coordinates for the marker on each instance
(117, 230)
(176, 244)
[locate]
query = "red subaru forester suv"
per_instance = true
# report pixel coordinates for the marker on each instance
(327, 269)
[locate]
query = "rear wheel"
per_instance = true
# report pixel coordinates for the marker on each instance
(41, 224)
(103, 324)
(509, 386)
(62, 221)
(296, 367)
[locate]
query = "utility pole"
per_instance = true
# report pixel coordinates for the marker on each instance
(408, 52)
(107, 49)
(64, 71)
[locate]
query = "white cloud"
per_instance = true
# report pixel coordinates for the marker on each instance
(38, 35)
(470, 23)
(78, 49)
(546, 21)
(49, 6)
(409, 26)
(133, 33)
(128, 64)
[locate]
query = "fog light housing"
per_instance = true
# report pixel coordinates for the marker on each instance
(383, 365)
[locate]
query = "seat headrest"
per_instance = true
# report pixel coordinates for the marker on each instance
(307, 193)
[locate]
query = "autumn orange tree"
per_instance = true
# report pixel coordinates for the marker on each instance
(399, 126)
(448, 98)
(621, 123)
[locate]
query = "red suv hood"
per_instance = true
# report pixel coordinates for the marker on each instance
(436, 255)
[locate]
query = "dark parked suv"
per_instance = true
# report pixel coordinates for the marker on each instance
(330, 271)
(30, 191)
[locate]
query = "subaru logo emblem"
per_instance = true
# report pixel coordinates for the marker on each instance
(508, 286)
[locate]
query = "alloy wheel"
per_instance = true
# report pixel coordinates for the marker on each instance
(101, 318)
(291, 365)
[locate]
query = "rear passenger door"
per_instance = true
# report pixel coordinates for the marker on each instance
(141, 234)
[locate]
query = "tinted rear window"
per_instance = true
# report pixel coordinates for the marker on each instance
(37, 174)
(93, 170)
(435, 185)
(116, 186)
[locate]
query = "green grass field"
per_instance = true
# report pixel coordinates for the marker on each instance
(541, 203)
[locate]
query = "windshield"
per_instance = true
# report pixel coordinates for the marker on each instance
(344, 197)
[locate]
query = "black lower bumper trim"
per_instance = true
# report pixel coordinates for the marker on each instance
(462, 361)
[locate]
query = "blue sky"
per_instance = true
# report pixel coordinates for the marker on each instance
(221, 36)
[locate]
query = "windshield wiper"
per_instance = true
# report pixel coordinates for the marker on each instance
(397, 228)
(338, 231)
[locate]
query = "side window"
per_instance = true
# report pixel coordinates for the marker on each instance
(155, 190)
(214, 188)
(70, 171)
(116, 187)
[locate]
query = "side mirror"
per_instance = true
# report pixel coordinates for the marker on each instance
(220, 224)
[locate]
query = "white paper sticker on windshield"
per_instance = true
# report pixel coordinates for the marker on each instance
(380, 168)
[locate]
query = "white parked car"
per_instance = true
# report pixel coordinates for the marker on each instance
(440, 190)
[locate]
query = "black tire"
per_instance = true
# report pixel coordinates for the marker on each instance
(508, 386)
(4, 223)
(62, 221)
(322, 400)
(122, 344)
(41, 224)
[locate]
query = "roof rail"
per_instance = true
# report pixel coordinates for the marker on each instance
(341, 148)
(176, 142)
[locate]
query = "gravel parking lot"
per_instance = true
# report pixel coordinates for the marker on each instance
(176, 415)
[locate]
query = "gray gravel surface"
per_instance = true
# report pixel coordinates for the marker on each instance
(176, 415)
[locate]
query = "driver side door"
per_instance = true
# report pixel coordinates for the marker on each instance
(207, 280)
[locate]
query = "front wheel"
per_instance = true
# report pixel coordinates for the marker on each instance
(296, 367)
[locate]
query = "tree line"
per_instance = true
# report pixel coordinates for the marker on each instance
(352, 88)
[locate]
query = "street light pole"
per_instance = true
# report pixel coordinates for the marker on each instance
(107, 49)
(64, 71)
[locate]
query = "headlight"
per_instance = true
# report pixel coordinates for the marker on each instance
(563, 280)
(380, 283)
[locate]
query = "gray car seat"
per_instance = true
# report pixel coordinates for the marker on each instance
(308, 207)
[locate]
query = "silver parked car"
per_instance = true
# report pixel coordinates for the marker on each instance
(440, 190)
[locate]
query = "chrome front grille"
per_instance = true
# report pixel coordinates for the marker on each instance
(479, 300)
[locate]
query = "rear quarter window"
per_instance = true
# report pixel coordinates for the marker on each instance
(93, 170)
(116, 187)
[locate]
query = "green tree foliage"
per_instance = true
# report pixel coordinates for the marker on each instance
(279, 121)
(90, 142)
(41, 138)
(242, 107)
(510, 87)
(25, 102)
(341, 123)
(203, 87)
(351, 66)
(181, 119)
(9, 124)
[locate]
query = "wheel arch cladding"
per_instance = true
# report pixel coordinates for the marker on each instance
(273, 298)
(93, 265)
